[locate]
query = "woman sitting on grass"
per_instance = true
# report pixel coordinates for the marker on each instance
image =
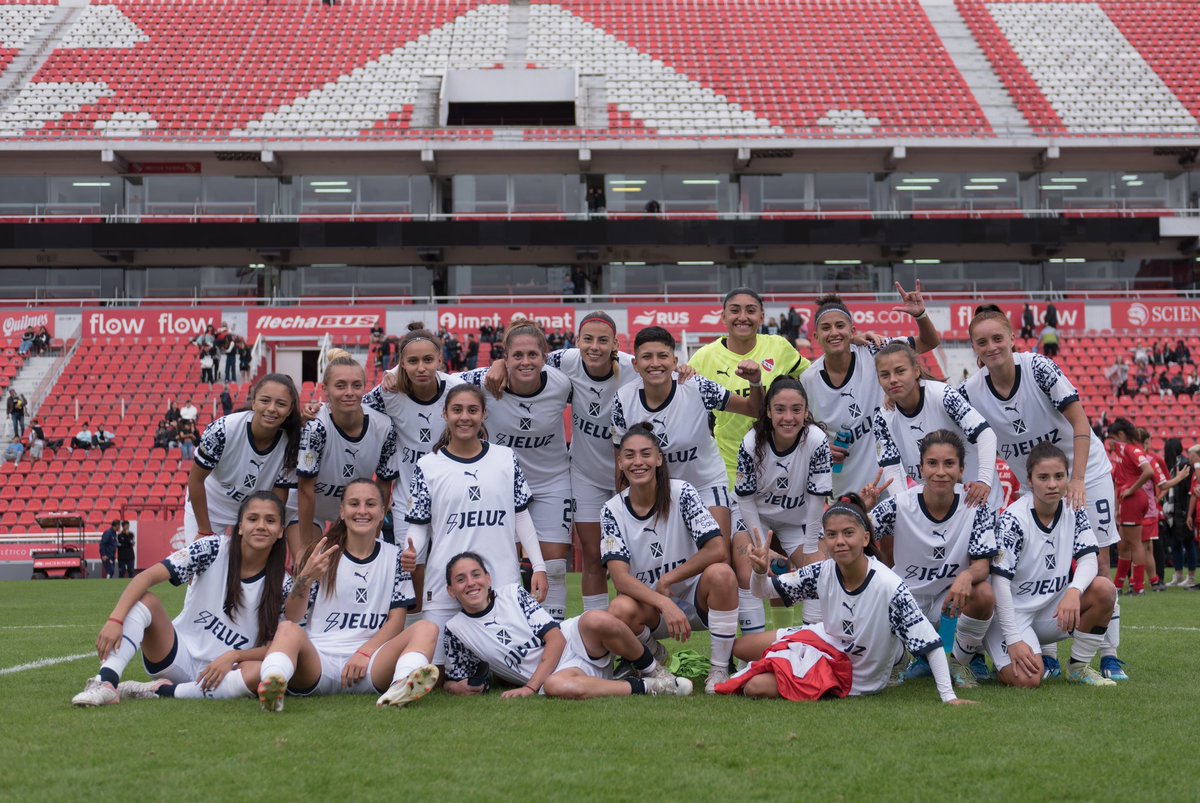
(504, 630)
(212, 649)
(356, 596)
(869, 615)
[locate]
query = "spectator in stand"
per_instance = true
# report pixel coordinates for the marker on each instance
(207, 372)
(1141, 377)
(1049, 342)
(1179, 385)
(172, 414)
(226, 401)
(26, 342)
(13, 452)
(1140, 357)
(82, 439)
(1051, 315)
(1164, 385)
(1158, 354)
(485, 333)
(188, 412)
(472, 353)
(16, 411)
(231, 359)
(37, 440)
(377, 333)
(163, 437)
(125, 552)
(1182, 355)
(1027, 322)
(205, 340)
(108, 551)
(1192, 383)
(1117, 375)
(104, 439)
(771, 327)
(245, 353)
(41, 341)
(497, 352)
(1177, 512)
(186, 438)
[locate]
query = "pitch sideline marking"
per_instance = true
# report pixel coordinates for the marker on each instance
(1159, 627)
(41, 627)
(12, 670)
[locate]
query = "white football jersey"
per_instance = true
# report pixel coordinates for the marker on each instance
(203, 566)
(929, 554)
(680, 425)
(1037, 559)
(333, 458)
(509, 636)
(591, 413)
(418, 424)
(899, 433)
(653, 546)
(784, 481)
(365, 593)
(1032, 414)
(468, 505)
(850, 408)
(872, 625)
(237, 468)
(532, 426)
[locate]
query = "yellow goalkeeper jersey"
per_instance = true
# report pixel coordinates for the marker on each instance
(775, 354)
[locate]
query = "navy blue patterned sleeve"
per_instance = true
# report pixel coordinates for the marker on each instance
(889, 453)
(1051, 381)
(404, 594)
(312, 449)
(540, 622)
(1084, 541)
(908, 624)
(883, 517)
(521, 492)
(461, 663)
(820, 470)
(962, 413)
(212, 445)
(420, 504)
(388, 469)
(712, 395)
(1010, 541)
(612, 540)
(983, 534)
(798, 585)
(193, 560)
(746, 483)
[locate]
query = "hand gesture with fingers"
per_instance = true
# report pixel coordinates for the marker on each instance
(913, 303)
(871, 492)
(760, 552)
(318, 561)
(408, 558)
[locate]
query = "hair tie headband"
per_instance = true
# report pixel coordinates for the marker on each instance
(416, 339)
(599, 317)
(833, 308)
(839, 508)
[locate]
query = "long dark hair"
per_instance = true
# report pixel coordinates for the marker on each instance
(291, 424)
(271, 601)
(336, 536)
(944, 437)
(458, 390)
(762, 425)
(662, 477)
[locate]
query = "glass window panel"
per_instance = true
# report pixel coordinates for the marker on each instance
(84, 195)
(842, 191)
(22, 193)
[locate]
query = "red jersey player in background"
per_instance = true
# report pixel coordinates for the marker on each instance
(1131, 469)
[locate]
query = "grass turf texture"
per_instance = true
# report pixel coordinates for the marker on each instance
(1062, 742)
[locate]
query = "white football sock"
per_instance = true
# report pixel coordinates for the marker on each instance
(968, 637)
(1084, 646)
(751, 616)
(722, 626)
(277, 664)
(231, 687)
(556, 592)
(132, 632)
(408, 663)
(1112, 638)
(595, 602)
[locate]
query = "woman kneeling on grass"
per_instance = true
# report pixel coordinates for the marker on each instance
(504, 630)
(869, 615)
(1038, 601)
(212, 649)
(356, 595)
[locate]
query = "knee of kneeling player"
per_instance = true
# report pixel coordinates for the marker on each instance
(1103, 593)
(982, 598)
(720, 577)
(624, 608)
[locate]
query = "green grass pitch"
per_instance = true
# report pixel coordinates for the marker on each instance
(1063, 742)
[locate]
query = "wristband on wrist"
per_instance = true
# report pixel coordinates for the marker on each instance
(203, 534)
(756, 384)
(118, 621)
(364, 654)
(531, 688)
(923, 314)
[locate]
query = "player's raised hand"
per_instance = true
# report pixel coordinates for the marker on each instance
(318, 561)
(390, 382)
(913, 303)
(750, 370)
(760, 552)
(496, 379)
(871, 492)
(408, 558)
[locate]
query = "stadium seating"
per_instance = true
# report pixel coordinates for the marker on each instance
(1110, 67)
